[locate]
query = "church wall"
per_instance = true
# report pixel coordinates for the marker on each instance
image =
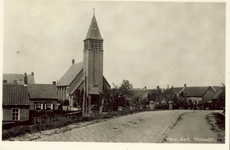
(100, 70)
(90, 69)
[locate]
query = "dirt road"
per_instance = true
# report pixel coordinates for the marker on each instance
(145, 127)
(192, 128)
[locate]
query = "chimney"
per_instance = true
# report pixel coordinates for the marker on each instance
(158, 87)
(25, 79)
(145, 88)
(54, 82)
(167, 86)
(184, 85)
(73, 61)
(32, 73)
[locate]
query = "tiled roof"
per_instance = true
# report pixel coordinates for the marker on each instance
(141, 92)
(195, 91)
(42, 91)
(11, 77)
(177, 89)
(217, 93)
(93, 32)
(69, 76)
(77, 86)
(15, 94)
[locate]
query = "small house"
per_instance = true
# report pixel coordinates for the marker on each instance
(15, 103)
(43, 97)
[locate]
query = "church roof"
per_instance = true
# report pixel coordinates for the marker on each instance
(93, 32)
(69, 76)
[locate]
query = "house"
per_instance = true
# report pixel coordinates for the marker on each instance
(18, 78)
(197, 94)
(216, 97)
(43, 97)
(15, 103)
(85, 78)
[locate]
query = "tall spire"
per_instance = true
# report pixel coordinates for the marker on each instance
(93, 32)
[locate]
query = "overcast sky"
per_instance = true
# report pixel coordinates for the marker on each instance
(147, 43)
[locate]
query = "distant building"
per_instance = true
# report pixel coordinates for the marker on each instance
(15, 103)
(9, 78)
(199, 94)
(43, 97)
(86, 78)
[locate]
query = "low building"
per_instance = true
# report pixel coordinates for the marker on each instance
(15, 103)
(43, 97)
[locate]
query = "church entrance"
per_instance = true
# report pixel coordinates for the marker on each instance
(95, 103)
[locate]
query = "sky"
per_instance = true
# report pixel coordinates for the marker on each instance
(148, 43)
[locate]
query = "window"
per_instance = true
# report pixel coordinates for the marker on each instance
(15, 114)
(48, 106)
(4, 81)
(38, 106)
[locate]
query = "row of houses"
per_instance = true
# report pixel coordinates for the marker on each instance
(198, 94)
(21, 94)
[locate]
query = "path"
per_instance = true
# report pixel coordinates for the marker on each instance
(145, 127)
(192, 128)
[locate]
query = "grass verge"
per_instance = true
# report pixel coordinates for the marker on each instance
(217, 122)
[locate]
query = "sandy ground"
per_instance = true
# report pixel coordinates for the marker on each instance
(192, 128)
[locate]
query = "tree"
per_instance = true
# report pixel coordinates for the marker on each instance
(117, 96)
(126, 88)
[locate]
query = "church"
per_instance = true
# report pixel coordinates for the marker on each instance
(84, 81)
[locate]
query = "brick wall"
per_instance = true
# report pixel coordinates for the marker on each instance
(24, 112)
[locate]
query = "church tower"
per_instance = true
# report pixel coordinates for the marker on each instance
(93, 63)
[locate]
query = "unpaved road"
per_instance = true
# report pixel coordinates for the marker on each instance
(144, 127)
(192, 128)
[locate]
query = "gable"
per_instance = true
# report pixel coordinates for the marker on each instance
(218, 92)
(71, 74)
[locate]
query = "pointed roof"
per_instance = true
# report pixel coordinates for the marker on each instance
(69, 76)
(93, 32)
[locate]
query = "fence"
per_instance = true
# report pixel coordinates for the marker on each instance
(47, 119)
